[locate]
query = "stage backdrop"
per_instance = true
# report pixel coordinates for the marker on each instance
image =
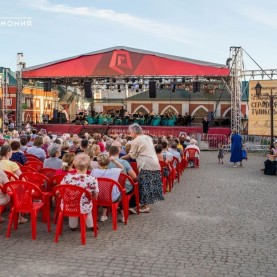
(259, 109)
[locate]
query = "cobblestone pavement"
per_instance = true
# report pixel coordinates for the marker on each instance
(219, 221)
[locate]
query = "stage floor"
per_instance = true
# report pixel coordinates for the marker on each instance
(60, 129)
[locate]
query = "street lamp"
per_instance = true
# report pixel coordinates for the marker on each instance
(271, 97)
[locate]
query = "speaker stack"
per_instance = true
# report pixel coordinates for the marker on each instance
(87, 89)
(196, 87)
(152, 89)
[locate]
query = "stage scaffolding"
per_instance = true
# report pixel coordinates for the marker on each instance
(19, 94)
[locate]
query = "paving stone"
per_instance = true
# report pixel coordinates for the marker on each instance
(219, 221)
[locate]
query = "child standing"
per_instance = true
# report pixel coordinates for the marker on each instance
(220, 154)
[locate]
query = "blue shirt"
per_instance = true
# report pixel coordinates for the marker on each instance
(18, 157)
(37, 151)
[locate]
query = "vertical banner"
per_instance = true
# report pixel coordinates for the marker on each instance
(259, 108)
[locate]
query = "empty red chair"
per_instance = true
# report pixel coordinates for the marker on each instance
(38, 165)
(38, 179)
(23, 203)
(192, 155)
(25, 168)
(11, 176)
(71, 199)
(48, 172)
(105, 198)
(122, 180)
(43, 183)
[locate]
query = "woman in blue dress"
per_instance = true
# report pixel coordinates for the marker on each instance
(236, 148)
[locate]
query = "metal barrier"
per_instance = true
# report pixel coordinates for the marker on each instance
(250, 143)
(263, 149)
(210, 141)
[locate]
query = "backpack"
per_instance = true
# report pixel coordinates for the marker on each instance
(270, 167)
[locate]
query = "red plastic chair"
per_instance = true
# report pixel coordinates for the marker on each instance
(122, 180)
(105, 198)
(192, 155)
(38, 165)
(25, 168)
(32, 157)
(184, 163)
(18, 163)
(55, 181)
(71, 197)
(134, 167)
(23, 203)
(166, 180)
(48, 172)
(38, 179)
(11, 176)
(41, 182)
(177, 166)
(2, 207)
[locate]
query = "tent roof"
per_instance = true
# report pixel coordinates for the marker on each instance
(124, 61)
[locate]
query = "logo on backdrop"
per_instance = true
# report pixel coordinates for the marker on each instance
(15, 22)
(120, 61)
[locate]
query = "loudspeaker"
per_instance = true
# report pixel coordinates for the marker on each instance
(47, 86)
(87, 88)
(196, 87)
(152, 89)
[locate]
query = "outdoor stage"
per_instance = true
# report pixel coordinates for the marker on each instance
(60, 129)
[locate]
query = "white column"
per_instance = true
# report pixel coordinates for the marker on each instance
(155, 107)
(185, 108)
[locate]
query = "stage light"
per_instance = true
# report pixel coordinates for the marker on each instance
(133, 80)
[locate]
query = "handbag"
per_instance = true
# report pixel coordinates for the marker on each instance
(244, 154)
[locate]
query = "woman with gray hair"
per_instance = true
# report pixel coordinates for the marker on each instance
(54, 151)
(149, 177)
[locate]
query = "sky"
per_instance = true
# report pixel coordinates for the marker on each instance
(198, 29)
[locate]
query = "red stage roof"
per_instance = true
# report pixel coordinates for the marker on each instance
(125, 61)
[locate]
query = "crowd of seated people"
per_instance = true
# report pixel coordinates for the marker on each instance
(101, 156)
